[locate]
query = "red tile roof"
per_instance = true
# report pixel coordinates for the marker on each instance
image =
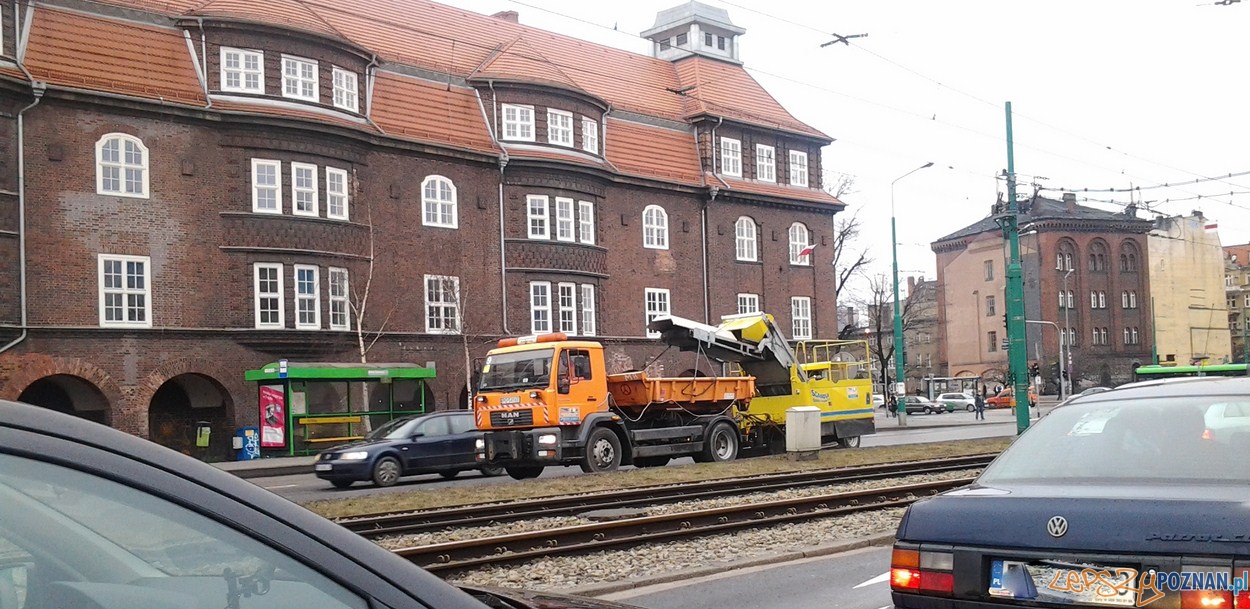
(416, 109)
(517, 60)
(781, 191)
(556, 154)
(653, 152)
(720, 89)
(288, 13)
(77, 50)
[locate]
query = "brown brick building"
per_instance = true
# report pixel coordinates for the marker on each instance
(192, 189)
(1102, 308)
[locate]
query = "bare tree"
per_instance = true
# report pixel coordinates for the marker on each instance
(359, 302)
(878, 306)
(848, 258)
(446, 314)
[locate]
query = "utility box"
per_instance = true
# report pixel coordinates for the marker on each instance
(803, 432)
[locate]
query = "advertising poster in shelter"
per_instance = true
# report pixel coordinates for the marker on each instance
(272, 416)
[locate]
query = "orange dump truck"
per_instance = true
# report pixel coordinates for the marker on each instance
(548, 400)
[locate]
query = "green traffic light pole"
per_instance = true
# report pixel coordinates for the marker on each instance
(1017, 354)
(899, 361)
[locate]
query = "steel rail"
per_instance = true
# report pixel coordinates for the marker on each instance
(380, 525)
(451, 557)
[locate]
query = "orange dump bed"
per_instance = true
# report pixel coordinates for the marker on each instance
(636, 389)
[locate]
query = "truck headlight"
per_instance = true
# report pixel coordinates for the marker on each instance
(547, 439)
(354, 456)
(479, 444)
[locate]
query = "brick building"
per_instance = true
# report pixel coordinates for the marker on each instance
(190, 189)
(1085, 277)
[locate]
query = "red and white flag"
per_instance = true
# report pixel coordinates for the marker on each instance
(1212, 226)
(807, 250)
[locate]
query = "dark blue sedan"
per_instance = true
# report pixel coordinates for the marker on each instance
(441, 443)
(1126, 498)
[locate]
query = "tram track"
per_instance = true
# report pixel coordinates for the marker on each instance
(383, 525)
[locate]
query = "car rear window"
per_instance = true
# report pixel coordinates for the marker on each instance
(1177, 439)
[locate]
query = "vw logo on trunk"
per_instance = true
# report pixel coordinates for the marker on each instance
(1057, 526)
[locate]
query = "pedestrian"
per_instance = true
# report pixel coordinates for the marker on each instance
(979, 403)
(892, 410)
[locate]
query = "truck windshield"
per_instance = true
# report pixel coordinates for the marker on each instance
(516, 370)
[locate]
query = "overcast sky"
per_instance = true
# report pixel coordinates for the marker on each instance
(1106, 94)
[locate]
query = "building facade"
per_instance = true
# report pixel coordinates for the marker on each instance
(193, 189)
(1237, 297)
(1085, 281)
(920, 337)
(1191, 315)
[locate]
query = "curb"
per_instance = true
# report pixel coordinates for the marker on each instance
(594, 590)
(266, 472)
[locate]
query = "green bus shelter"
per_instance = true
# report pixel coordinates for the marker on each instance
(307, 407)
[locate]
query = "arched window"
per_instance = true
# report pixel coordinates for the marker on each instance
(438, 202)
(1128, 257)
(655, 228)
(121, 166)
(1098, 257)
(746, 248)
(800, 247)
(1064, 254)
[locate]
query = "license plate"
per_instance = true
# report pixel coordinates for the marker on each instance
(1069, 584)
(323, 467)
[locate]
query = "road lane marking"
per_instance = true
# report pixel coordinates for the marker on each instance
(880, 579)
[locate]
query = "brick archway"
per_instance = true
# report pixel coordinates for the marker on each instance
(146, 389)
(23, 371)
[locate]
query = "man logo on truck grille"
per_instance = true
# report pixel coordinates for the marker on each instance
(510, 414)
(1057, 526)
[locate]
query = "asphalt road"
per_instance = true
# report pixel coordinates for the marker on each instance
(853, 580)
(306, 487)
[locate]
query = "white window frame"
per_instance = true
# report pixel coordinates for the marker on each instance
(559, 127)
(1093, 299)
(125, 291)
(276, 187)
(340, 306)
(540, 307)
(566, 300)
(746, 241)
(564, 220)
(309, 297)
(765, 163)
(1071, 299)
(1062, 303)
(590, 322)
(122, 166)
(731, 157)
(309, 190)
(590, 135)
(748, 303)
(537, 214)
(445, 303)
(300, 79)
(346, 89)
(654, 228)
(440, 207)
(521, 126)
(797, 246)
(656, 302)
(1246, 300)
(339, 196)
(801, 317)
(798, 168)
(258, 296)
(1102, 300)
(586, 222)
(243, 71)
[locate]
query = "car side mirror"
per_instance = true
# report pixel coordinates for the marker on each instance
(418, 434)
(562, 385)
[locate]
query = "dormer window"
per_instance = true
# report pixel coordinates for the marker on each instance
(299, 78)
(798, 168)
(518, 122)
(345, 90)
(731, 157)
(765, 163)
(590, 135)
(681, 40)
(242, 71)
(707, 39)
(560, 127)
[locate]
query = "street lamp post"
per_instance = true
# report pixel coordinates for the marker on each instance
(1066, 343)
(899, 379)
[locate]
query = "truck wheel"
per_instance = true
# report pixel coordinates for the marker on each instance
(650, 461)
(521, 472)
(851, 442)
(386, 471)
(603, 451)
(491, 471)
(721, 445)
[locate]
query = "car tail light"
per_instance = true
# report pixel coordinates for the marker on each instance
(922, 570)
(1209, 598)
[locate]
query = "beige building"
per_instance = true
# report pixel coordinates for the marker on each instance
(1190, 311)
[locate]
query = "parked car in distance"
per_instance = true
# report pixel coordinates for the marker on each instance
(878, 400)
(957, 401)
(436, 443)
(1007, 399)
(91, 517)
(916, 404)
(1106, 489)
